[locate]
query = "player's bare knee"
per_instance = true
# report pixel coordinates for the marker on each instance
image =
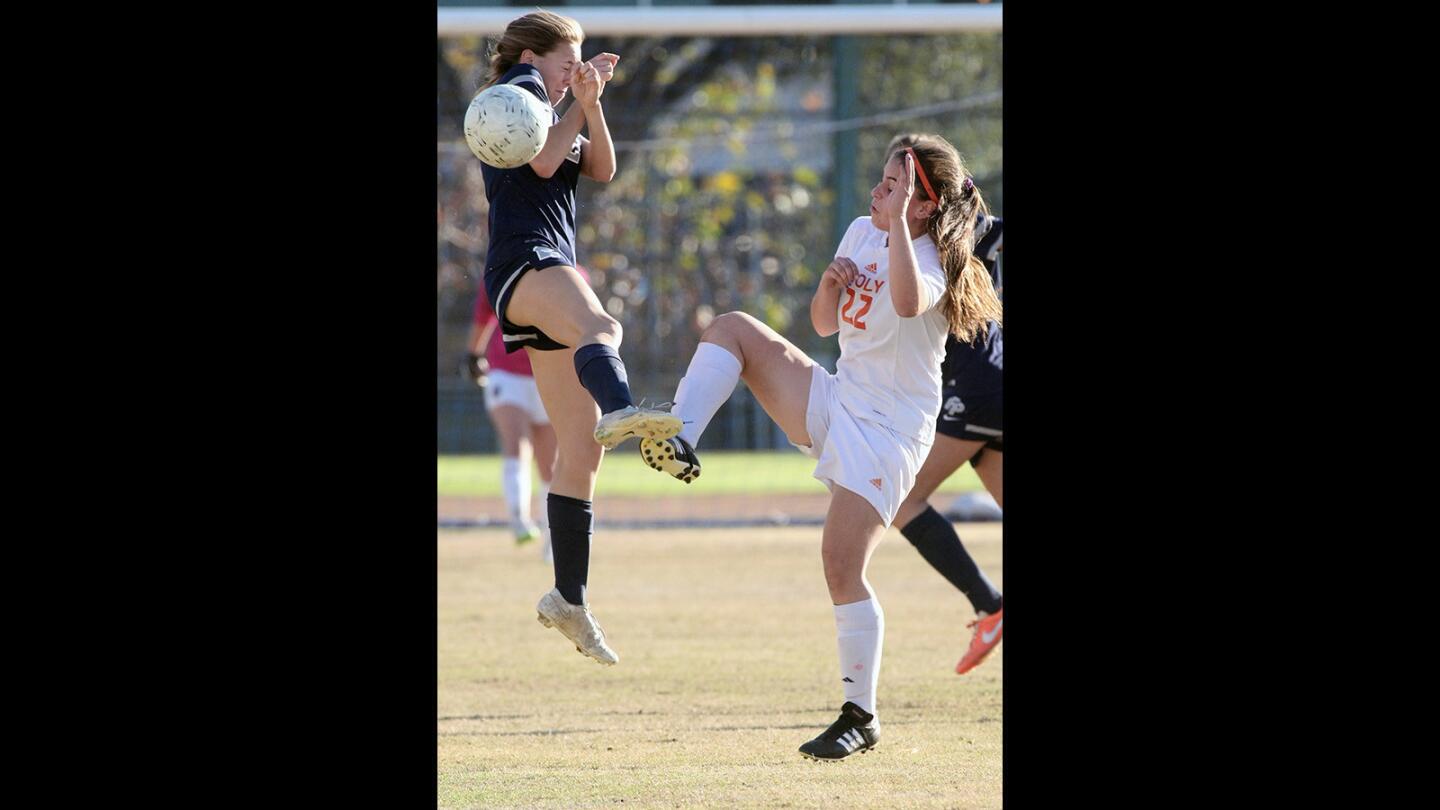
(577, 465)
(727, 330)
(614, 331)
(584, 454)
(840, 574)
(599, 328)
(724, 325)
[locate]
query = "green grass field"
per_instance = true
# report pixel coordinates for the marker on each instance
(728, 663)
(781, 472)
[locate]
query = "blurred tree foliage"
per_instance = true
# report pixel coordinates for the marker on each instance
(910, 71)
(724, 197)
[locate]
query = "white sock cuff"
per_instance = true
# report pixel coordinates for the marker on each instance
(510, 473)
(711, 356)
(859, 616)
(709, 381)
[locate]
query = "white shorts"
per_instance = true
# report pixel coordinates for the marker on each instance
(506, 388)
(865, 457)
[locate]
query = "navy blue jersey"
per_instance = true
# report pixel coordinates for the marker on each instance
(988, 233)
(528, 213)
(978, 368)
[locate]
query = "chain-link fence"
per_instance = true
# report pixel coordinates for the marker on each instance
(741, 160)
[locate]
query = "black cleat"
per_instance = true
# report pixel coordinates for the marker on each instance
(674, 456)
(856, 730)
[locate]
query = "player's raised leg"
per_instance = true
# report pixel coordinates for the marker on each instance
(558, 301)
(734, 346)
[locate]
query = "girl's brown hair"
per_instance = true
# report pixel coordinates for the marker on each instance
(970, 301)
(540, 31)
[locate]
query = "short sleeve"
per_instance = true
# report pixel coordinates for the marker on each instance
(931, 278)
(847, 242)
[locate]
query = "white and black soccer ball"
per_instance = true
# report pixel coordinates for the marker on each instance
(506, 126)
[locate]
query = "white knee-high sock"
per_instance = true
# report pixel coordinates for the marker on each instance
(522, 476)
(515, 481)
(542, 517)
(708, 382)
(860, 630)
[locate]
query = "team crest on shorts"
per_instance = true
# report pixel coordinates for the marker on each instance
(543, 253)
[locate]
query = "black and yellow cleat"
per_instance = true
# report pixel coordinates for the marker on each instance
(674, 456)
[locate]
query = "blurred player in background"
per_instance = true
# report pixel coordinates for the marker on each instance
(903, 278)
(513, 403)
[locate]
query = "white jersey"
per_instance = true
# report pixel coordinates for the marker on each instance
(889, 369)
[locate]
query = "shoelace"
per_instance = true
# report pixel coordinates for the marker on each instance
(977, 621)
(599, 634)
(976, 641)
(595, 622)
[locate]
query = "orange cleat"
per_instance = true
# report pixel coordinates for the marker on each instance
(987, 638)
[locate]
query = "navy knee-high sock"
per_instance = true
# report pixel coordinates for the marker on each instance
(602, 372)
(938, 543)
(571, 522)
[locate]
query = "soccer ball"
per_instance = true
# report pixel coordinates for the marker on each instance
(506, 126)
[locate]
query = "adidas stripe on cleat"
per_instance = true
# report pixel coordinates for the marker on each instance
(855, 731)
(674, 456)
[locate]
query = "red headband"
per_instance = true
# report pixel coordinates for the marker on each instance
(920, 172)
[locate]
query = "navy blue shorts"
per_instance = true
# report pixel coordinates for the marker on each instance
(972, 400)
(500, 282)
(972, 417)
